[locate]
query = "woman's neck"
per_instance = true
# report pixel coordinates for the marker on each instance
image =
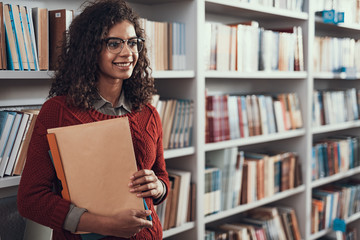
(110, 91)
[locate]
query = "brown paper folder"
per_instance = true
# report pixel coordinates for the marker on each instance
(94, 163)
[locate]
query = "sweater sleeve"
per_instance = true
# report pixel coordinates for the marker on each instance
(37, 199)
(159, 166)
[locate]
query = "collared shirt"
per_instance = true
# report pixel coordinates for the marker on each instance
(122, 107)
(104, 106)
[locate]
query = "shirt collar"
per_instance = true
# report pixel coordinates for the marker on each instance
(122, 103)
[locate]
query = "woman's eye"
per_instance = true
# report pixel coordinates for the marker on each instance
(132, 43)
(113, 44)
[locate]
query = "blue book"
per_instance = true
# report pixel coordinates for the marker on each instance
(16, 37)
(314, 165)
(9, 143)
(325, 158)
(10, 63)
(11, 54)
(24, 25)
(3, 117)
(320, 158)
(6, 128)
(277, 176)
(32, 36)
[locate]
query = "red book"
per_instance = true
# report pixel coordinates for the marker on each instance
(224, 118)
(241, 121)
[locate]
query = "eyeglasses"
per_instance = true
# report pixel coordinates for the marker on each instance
(115, 45)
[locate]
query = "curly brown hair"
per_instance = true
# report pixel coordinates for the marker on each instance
(77, 70)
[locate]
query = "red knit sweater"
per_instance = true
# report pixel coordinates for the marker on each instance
(37, 199)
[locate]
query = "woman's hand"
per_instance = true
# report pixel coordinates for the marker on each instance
(146, 184)
(125, 224)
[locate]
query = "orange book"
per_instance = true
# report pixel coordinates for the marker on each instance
(3, 64)
(55, 156)
(12, 55)
(21, 158)
(94, 162)
(41, 29)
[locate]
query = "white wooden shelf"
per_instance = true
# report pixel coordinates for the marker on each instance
(183, 228)
(254, 140)
(9, 181)
(336, 76)
(179, 152)
(336, 177)
(256, 75)
(173, 74)
(8, 74)
(28, 75)
(336, 127)
(243, 9)
(320, 25)
(249, 206)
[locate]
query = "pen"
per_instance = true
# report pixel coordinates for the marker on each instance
(146, 208)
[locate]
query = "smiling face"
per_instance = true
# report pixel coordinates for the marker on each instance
(117, 67)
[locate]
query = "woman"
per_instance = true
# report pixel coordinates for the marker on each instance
(102, 73)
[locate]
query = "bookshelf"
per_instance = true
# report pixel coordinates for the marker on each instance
(19, 88)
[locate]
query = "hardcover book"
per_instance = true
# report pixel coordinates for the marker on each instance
(94, 162)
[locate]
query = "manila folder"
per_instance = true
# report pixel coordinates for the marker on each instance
(98, 159)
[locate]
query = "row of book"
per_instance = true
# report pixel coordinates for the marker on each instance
(247, 47)
(268, 222)
(177, 121)
(240, 116)
(333, 54)
(30, 39)
(234, 177)
(335, 106)
(335, 154)
(335, 201)
(166, 44)
(351, 8)
(30, 36)
(179, 207)
(16, 128)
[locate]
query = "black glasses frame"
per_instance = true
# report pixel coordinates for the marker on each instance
(138, 39)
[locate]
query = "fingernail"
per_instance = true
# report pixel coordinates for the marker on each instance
(130, 184)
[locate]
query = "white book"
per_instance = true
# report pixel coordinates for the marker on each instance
(5, 131)
(32, 36)
(189, 127)
(10, 143)
(263, 115)
(279, 115)
(223, 48)
(233, 117)
(225, 160)
(27, 38)
(270, 114)
(184, 192)
(15, 149)
(175, 124)
(184, 124)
